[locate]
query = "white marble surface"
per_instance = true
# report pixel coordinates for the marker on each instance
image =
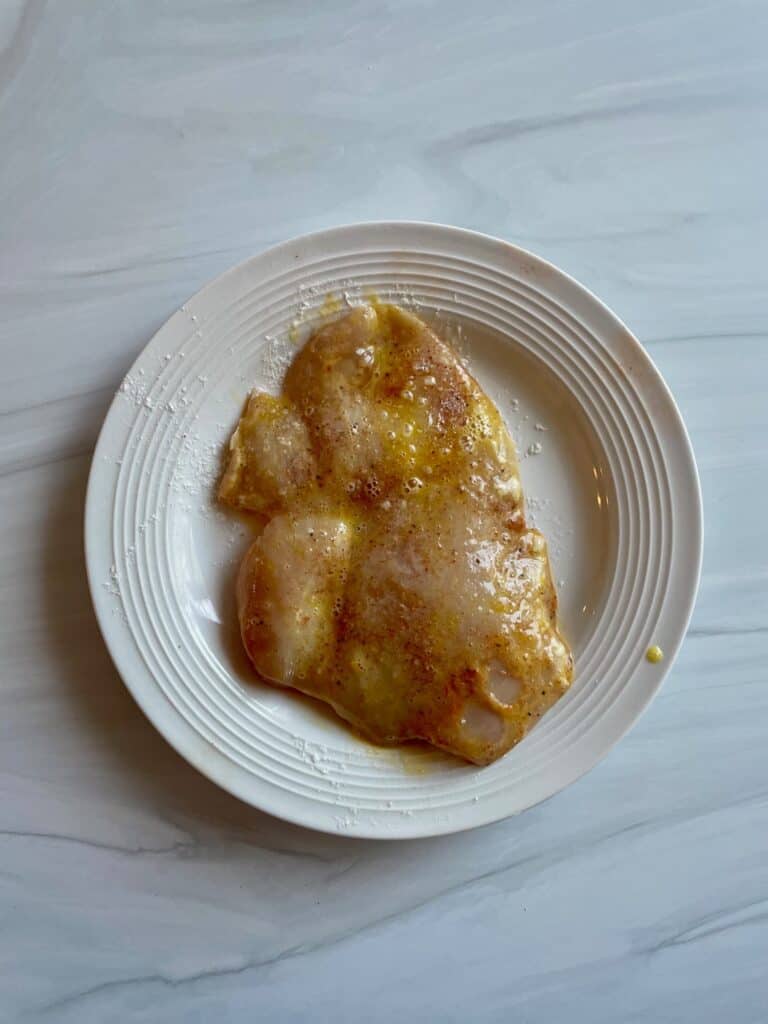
(145, 147)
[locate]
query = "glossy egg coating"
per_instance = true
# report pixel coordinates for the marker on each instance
(393, 574)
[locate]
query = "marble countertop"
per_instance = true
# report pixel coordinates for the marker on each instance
(145, 148)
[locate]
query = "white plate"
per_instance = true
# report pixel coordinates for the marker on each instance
(614, 487)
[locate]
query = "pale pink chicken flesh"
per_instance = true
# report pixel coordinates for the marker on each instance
(393, 575)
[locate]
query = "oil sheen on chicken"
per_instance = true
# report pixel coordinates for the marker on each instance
(393, 574)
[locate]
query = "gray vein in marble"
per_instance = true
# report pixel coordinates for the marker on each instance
(148, 262)
(290, 953)
(699, 930)
(514, 129)
(107, 391)
(703, 631)
(94, 845)
(748, 915)
(79, 452)
(704, 336)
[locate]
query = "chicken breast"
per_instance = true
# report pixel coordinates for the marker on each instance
(394, 576)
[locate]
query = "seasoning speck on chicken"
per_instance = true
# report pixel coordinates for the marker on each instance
(394, 576)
